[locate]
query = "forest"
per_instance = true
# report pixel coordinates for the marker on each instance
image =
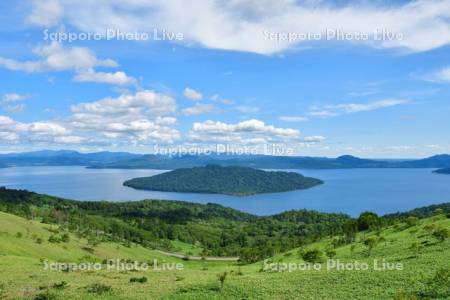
(220, 231)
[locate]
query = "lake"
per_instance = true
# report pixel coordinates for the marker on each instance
(350, 190)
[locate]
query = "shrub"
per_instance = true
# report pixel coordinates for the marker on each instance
(370, 242)
(313, 256)
(139, 279)
(60, 285)
(2, 291)
(330, 253)
(53, 239)
(412, 221)
(368, 220)
(438, 286)
(441, 234)
(439, 211)
(222, 277)
(65, 238)
(47, 295)
(416, 247)
(88, 249)
(98, 288)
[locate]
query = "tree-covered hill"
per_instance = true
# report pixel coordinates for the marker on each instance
(220, 231)
(45, 237)
(231, 180)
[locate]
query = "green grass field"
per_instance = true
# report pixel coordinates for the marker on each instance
(22, 273)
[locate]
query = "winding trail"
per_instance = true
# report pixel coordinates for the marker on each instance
(207, 258)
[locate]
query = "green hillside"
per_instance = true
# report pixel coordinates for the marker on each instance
(414, 244)
(216, 179)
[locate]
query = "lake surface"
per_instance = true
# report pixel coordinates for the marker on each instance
(350, 191)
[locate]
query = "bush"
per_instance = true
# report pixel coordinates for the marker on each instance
(222, 277)
(2, 291)
(370, 242)
(98, 288)
(60, 285)
(438, 286)
(53, 239)
(441, 234)
(45, 296)
(313, 256)
(65, 238)
(139, 279)
(368, 220)
(330, 253)
(412, 221)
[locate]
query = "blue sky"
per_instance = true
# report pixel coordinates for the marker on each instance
(226, 81)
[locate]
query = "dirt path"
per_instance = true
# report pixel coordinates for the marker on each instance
(210, 258)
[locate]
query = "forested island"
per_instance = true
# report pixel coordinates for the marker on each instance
(214, 179)
(443, 171)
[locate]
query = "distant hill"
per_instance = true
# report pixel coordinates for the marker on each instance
(231, 180)
(437, 161)
(124, 160)
(443, 171)
(254, 161)
(62, 158)
(272, 162)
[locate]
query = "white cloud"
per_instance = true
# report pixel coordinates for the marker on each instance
(192, 94)
(248, 126)
(250, 132)
(14, 97)
(247, 109)
(166, 121)
(199, 109)
(218, 98)
(349, 108)
(8, 136)
(55, 57)
(45, 12)
(322, 113)
(70, 139)
(126, 118)
(313, 139)
(144, 102)
(442, 75)
(293, 119)
(117, 78)
(48, 132)
(360, 107)
(241, 24)
(15, 108)
(15, 131)
(46, 128)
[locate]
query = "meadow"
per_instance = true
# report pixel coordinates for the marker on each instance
(25, 251)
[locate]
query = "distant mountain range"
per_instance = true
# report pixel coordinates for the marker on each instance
(124, 160)
(62, 158)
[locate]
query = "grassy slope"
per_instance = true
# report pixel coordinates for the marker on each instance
(22, 272)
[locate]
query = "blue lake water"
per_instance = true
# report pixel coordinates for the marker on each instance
(350, 191)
